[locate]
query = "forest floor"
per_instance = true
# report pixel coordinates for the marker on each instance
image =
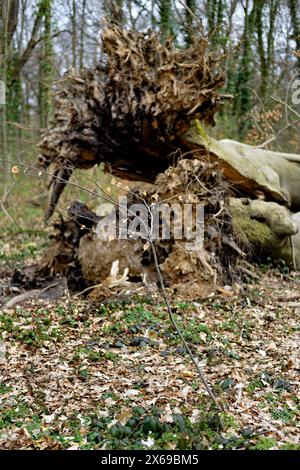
(82, 375)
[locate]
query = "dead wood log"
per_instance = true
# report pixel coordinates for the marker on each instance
(267, 229)
(53, 291)
(252, 170)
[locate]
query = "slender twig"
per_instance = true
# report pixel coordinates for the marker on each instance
(25, 128)
(199, 22)
(163, 292)
(287, 106)
(275, 137)
(3, 201)
(293, 253)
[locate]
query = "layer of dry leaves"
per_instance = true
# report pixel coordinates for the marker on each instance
(74, 367)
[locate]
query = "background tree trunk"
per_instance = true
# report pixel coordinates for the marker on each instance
(165, 10)
(294, 11)
(46, 67)
(189, 21)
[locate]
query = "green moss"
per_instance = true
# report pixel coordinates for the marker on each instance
(264, 443)
(291, 446)
(249, 230)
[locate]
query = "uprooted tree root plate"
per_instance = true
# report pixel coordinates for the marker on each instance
(132, 111)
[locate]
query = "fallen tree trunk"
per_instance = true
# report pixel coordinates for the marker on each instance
(267, 230)
(252, 170)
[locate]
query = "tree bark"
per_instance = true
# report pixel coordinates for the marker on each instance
(34, 39)
(254, 171)
(294, 9)
(46, 67)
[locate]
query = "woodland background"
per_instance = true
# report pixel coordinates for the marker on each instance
(115, 375)
(255, 42)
